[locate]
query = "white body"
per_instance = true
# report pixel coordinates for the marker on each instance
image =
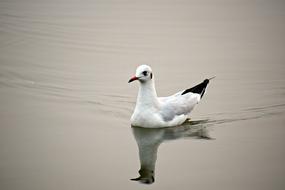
(155, 112)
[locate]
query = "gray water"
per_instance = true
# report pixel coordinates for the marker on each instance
(65, 101)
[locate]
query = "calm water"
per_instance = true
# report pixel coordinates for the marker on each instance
(65, 101)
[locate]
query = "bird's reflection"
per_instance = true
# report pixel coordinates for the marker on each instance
(148, 141)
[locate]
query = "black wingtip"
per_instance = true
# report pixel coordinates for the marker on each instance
(206, 81)
(200, 88)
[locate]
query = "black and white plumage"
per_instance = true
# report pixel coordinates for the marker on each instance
(154, 112)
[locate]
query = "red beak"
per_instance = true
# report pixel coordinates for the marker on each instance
(133, 79)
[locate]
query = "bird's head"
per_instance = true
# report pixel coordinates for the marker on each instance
(143, 74)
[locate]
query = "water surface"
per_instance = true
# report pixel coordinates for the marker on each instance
(65, 101)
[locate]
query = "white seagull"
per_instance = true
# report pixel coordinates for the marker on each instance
(156, 112)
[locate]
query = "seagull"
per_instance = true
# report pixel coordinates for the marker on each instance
(157, 112)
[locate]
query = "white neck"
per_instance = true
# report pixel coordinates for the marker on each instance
(147, 94)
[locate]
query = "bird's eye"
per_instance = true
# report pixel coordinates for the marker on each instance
(144, 73)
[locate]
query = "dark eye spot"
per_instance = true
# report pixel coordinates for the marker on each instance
(144, 73)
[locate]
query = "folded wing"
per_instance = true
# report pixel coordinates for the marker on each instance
(183, 102)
